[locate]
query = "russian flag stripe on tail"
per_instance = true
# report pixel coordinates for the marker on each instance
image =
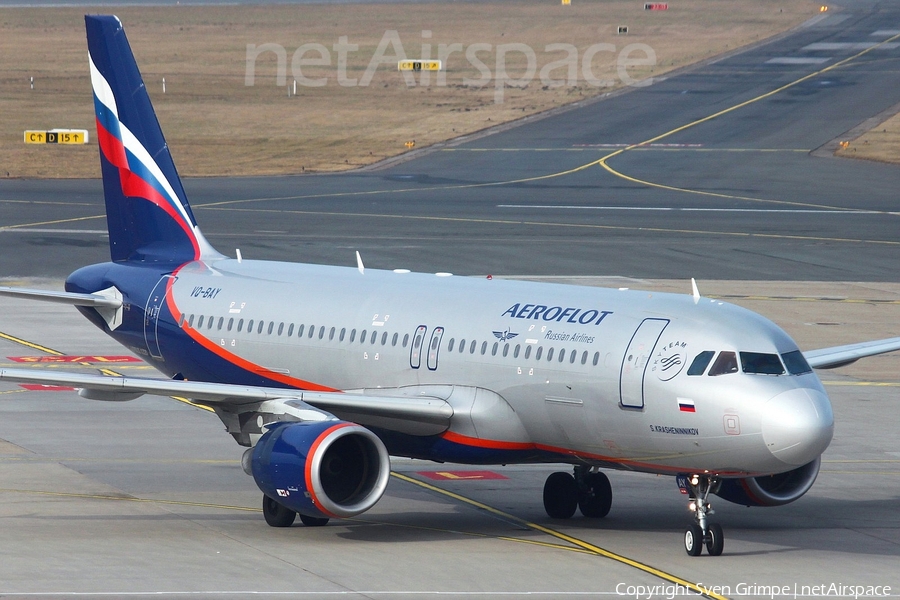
(148, 215)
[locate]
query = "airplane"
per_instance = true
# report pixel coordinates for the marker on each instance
(323, 373)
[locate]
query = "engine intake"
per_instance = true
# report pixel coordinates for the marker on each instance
(323, 468)
(771, 490)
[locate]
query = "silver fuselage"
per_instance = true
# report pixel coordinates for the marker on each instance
(598, 374)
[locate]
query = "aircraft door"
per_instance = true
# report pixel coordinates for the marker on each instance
(434, 347)
(415, 351)
(151, 315)
(635, 361)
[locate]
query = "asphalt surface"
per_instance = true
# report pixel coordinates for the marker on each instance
(147, 498)
(752, 200)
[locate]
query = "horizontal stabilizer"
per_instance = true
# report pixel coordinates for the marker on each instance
(108, 302)
(71, 298)
(838, 356)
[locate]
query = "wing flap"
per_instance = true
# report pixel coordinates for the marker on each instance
(838, 356)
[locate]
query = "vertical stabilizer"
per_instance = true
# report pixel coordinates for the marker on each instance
(147, 211)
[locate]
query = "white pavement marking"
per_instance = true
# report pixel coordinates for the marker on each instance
(795, 60)
(688, 209)
(849, 46)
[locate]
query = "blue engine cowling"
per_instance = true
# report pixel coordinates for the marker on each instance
(770, 490)
(322, 468)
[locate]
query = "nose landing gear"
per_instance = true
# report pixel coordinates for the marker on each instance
(703, 532)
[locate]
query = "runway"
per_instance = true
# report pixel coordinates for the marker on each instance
(715, 173)
(480, 206)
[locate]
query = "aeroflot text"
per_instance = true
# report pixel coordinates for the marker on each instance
(671, 591)
(556, 313)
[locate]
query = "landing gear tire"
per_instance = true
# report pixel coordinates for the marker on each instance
(277, 515)
(715, 540)
(693, 540)
(313, 521)
(595, 498)
(560, 495)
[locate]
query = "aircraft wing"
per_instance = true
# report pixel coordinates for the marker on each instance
(838, 356)
(427, 412)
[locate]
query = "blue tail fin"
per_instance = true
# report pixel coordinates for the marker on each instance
(147, 211)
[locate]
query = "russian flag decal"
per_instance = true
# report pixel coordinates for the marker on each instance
(686, 405)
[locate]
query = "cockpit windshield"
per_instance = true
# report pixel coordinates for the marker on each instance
(753, 363)
(725, 363)
(796, 363)
(759, 363)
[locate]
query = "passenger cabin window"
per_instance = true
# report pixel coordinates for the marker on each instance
(701, 361)
(725, 363)
(300, 330)
(796, 363)
(759, 363)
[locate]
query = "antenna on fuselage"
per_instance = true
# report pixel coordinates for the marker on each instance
(695, 290)
(359, 264)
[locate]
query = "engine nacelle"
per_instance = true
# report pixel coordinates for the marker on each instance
(770, 490)
(321, 468)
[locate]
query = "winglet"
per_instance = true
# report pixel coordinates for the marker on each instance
(695, 290)
(359, 264)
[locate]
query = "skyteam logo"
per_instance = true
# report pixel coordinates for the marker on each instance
(669, 360)
(139, 174)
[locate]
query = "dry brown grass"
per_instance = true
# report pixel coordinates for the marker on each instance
(881, 143)
(216, 125)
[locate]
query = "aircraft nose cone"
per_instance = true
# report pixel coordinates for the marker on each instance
(798, 425)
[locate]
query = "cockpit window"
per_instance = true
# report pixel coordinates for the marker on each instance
(701, 362)
(725, 363)
(759, 363)
(796, 363)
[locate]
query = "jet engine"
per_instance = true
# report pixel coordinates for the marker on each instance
(321, 469)
(770, 490)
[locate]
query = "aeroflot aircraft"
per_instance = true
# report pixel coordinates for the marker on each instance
(325, 372)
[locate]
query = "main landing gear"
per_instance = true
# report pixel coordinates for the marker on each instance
(280, 516)
(586, 489)
(703, 532)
